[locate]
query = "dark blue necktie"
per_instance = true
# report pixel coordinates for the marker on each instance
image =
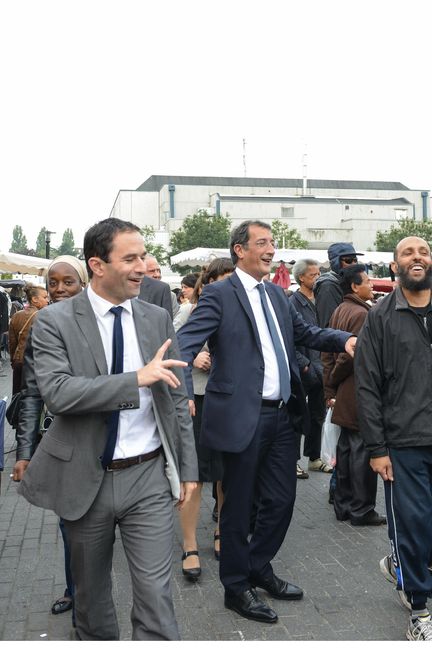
(116, 367)
(284, 376)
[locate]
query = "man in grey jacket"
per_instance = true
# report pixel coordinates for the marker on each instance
(121, 445)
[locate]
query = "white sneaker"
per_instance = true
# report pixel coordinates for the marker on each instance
(319, 466)
(388, 570)
(420, 629)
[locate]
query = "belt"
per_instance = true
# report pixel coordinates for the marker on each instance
(120, 464)
(272, 403)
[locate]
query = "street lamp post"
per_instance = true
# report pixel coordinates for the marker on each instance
(47, 243)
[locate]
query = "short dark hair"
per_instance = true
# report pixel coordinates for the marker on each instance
(98, 240)
(190, 280)
(351, 275)
(240, 235)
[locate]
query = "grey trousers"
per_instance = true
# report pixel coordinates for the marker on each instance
(139, 500)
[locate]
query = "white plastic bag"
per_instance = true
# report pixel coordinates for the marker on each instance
(330, 438)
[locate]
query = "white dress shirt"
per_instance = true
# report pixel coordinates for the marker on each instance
(271, 386)
(137, 431)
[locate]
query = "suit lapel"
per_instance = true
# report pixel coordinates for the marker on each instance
(240, 292)
(86, 321)
(141, 326)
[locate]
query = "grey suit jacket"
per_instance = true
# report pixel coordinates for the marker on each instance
(154, 291)
(65, 472)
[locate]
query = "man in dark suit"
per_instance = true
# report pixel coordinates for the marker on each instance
(121, 445)
(154, 291)
(253, 387)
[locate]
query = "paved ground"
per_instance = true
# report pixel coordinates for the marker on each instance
(346, 597)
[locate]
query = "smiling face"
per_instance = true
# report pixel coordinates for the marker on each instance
(365, 289)
(63, 282)
(255, 257)
(119, 278)
(413, 263)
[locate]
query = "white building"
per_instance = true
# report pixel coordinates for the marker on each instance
(323, 211)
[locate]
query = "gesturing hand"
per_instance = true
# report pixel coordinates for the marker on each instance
(159, 369)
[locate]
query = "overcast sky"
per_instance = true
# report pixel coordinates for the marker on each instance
(96, 96)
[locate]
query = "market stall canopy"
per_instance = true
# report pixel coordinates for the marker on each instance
(10, 262)
(203, 256)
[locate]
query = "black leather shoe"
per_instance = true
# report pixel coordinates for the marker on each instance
(370, 519)
(193, 573)
(278, 588)
(248, 605)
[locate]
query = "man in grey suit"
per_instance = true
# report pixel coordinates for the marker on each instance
(121, 445)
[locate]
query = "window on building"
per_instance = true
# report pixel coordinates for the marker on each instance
(287, 212)
(400, 213)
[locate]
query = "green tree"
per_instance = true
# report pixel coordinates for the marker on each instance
(287, 237)
(41, 243)
(155, 249)
(19, 241)
(68, 244)
(200, 230)
(387, 240)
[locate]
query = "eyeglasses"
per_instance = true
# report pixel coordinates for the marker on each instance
(349, 259)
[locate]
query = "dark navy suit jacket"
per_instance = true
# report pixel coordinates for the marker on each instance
(233, 397)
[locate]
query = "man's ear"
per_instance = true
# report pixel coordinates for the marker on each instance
(96, 265)
(238, 249)
(393, 266)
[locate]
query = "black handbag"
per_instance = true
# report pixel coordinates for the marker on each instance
(12, 412)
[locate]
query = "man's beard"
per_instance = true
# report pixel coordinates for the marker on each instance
(415, 285)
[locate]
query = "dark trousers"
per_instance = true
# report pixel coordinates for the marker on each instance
(317, 410)
(356, 483)
(409, 514)
(265, 473)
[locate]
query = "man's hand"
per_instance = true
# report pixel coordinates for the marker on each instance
(383, 466)
(158, 369)
(186, 490)
(202, 361)
(192, 409)
(19, 469)
(350, 346)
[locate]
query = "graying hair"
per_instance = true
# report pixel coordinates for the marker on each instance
(301, 266)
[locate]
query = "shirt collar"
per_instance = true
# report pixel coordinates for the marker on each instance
(249, 283)
(102, 306)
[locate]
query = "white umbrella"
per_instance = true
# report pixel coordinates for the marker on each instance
(11, 262)
(203, 256)
(199, 256)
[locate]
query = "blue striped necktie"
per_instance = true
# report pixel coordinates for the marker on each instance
(116, 367)
(284, 376)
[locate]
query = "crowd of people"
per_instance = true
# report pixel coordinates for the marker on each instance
(131, 396)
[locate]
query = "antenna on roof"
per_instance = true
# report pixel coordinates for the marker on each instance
(244, 157)
(305, 171)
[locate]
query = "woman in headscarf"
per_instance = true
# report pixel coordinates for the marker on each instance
(66, 278)
(19, 328)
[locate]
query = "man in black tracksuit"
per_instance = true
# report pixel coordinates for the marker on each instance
(393, 369)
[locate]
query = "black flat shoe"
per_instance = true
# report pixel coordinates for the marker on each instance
(278, 588)
(370, 519)
(248, 605)
(193, 573)
(216, 552)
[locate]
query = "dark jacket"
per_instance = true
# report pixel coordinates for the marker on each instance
(339, 367)
(328, 296)
(224, 317)
(393, 367)
(306, 357)
(31, 407)
(154, 291)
